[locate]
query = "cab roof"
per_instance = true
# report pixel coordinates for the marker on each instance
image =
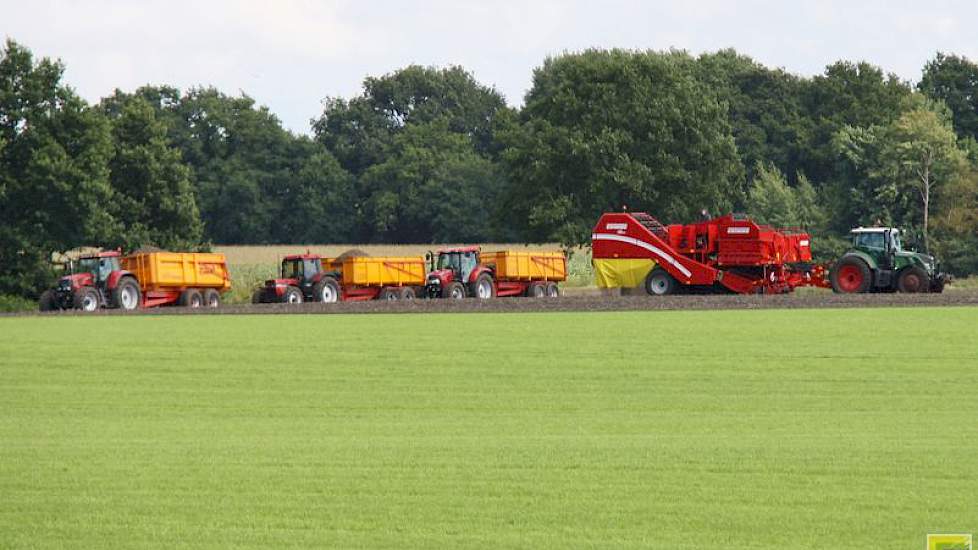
(461, 249)
(303, 257)
(104, 254)
(872, 229)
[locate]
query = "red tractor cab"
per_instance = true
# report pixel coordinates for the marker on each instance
(457, 272)
(303, 277)
(93, 281)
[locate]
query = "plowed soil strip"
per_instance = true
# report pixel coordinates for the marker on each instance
(577, 303)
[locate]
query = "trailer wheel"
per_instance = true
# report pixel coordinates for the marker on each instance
(48, 301)
(86, 299)
(212, 298)
(660, 283)
(913, 279)
(536, 290)
(553, 291)
(126, 294)
(292, 295)
(389, 294)
(483, 288)
(408, 293)
(258, 297)
(191, 298)
(327, 291)
(850, 276)
(453, 290)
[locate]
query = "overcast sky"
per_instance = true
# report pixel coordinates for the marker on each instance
(290, 54)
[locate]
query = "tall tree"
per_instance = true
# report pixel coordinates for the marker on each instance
(605, 130)
(954, 80)
(53, 170)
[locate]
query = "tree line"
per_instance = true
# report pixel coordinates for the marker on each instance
(428, 155)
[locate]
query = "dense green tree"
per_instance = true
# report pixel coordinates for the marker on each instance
(153, 196)
(954, 80)
(773, 201)
(53, 170)
(606, 130)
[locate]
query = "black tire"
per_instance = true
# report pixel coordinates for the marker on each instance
(191, 298)
(212, 298)
(48, 301)
(536, 290)
(408, 293)
(660, 283)
(851, 275)
(258, 297)
(327, 291)
(454, 290)
(292, 295)
(86, 298)
(483, 287)
(389, 294)
(913, 279)
(127, 295)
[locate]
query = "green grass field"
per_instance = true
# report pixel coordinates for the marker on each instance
(674, 430)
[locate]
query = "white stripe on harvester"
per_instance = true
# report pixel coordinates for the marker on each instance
(642, 244)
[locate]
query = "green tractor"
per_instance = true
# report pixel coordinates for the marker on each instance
(877, 262)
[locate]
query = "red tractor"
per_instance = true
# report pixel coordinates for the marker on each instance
(93, 281)
(302, 278)
(467, 271)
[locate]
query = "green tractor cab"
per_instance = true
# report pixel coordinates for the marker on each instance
(877, 262)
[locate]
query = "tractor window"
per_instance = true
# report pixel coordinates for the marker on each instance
(448, 260)
(870, 240)
(311, 267)
(292, 269)
(87, 265)
(104, 269)
(897, 244)
(468, 264)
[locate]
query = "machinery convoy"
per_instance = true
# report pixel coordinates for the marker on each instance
(728, 254)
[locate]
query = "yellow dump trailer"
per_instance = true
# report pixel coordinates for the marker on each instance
(187, 278)
(527, 266)
(367, 271)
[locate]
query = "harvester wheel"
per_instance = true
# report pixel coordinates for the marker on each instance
(48, 301)
(86, 299)
(850, 276)
(536, 290)
(660, 283)
(191, 298)
(126, 294)
(258, 296)
(389, 294)
(327, 291)
(212, 298)
(408, 293)
(483, 288)
(292, 295)
(913, 279)
(453, 290)
(553, 291)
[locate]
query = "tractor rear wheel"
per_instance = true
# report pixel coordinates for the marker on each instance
(191, 298)
(212, 298)
(553, 291)
(483, 288)
(913, 279)
(87, 299)
(389, 294)
(48, 301)
(660, 283)
(126, 294)
(292, 295)
(850, 276)
(453, 290)
(408, 293)
(536, 290)
(327, 291)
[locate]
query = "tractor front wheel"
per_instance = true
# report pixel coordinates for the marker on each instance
(87, 299)
(327, 291)
(292, 295)
(850, 276)
(660, 283)
(126, 294)
(48, 301)
(258, 297)
(913, 279)
(483, 288)
(453, 290)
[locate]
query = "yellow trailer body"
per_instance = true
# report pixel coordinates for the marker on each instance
(176, 270)
(391, 271)
(527, 266)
